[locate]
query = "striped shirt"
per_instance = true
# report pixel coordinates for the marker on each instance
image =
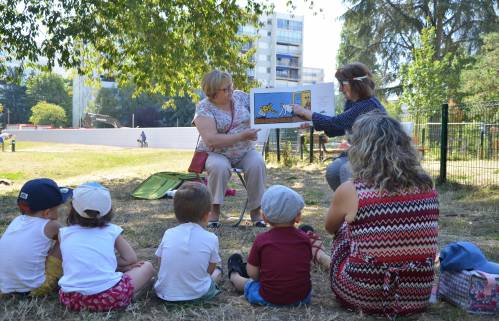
(338, 125)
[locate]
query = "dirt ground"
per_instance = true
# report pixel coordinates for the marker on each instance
(468, 214)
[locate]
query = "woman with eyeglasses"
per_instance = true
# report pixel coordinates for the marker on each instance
(357, 85)
(223, 122)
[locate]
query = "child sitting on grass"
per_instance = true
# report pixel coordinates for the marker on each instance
(188, 253)
(279, 260)
(30, 258)
(93, 277)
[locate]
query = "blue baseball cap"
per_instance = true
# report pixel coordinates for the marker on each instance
(458, 256)
(43, 193)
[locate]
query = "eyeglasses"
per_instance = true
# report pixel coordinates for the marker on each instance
(344, 82)
(230, 88)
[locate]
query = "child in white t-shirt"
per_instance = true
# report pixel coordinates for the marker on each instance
(93, 276)
(188, 253)
(30, 259)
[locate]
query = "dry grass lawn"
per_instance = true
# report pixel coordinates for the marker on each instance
(470, 214)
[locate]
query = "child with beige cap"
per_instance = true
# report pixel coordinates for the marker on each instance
(94, 277)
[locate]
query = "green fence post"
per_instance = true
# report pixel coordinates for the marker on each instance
(311, 144)
(302, 145)
(482, 137)
(443, 144)
(277, 134)
(423, 141)
(267, 147)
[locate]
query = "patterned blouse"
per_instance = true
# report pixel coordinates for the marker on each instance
(222, 118)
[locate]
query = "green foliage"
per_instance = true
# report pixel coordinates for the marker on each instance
(44, 113)
(160, 46)
(383, 33)
(13, 97)
(356, 35)
(427, 80)
(108, 102)
(121, 103)
(393, 108)
(51, 88)
(289, 159)
(480, 81)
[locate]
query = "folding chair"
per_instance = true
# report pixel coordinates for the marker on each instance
(261, 142)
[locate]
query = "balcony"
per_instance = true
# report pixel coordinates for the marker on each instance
(288, 61)
(289, 40)
(295, 52)
(287, 74)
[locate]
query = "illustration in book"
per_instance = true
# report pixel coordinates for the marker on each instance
(277, 107)
(273, 107)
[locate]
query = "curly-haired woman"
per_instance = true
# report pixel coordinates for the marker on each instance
(385, 222)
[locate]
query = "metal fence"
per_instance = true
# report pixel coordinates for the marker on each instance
(458, 143)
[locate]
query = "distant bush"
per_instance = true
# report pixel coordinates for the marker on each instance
(44, 113)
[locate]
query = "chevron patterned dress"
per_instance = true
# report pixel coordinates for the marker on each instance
(382, 263)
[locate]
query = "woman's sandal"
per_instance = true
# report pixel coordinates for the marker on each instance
(214, 224)
(260, 223)
(315, 241)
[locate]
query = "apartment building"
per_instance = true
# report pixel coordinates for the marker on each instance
(312, 76)
(279, 50)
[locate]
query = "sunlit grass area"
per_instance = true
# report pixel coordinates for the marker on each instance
(466, 214)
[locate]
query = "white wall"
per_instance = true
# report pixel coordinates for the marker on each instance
(160, 137)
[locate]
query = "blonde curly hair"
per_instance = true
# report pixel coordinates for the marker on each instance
(383, 155)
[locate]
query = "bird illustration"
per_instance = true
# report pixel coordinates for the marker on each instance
(265, 109)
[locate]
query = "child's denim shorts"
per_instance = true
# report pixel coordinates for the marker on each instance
(252, 294)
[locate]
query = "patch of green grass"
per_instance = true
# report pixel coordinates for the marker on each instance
(59, 161)
(12, 175)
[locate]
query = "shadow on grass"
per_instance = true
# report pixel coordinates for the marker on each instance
(144, 223)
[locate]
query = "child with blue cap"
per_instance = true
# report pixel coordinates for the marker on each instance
(30, 255)
(278, 267)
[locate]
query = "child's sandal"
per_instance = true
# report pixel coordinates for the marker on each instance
(315, 241)
(317, 245)
(236, 264)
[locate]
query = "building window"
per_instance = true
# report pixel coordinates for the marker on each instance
(289, 24)
(269, 33)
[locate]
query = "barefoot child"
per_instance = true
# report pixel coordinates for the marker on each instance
(188, 253)
(30, 256)
(93, 276)
(279, 261)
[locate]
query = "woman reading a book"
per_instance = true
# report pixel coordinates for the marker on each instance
(223, 122)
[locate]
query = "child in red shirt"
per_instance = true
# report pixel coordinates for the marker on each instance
(278, 268)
